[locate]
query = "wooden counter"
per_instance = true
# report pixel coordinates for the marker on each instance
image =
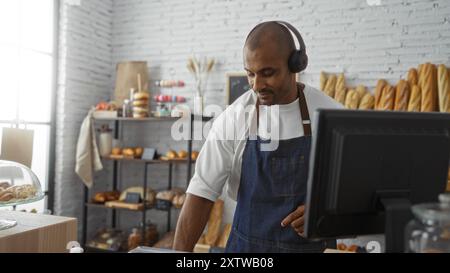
(37, 233)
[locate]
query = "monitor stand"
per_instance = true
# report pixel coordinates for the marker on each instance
(398, 214)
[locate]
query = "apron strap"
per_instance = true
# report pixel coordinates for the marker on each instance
(306, 121)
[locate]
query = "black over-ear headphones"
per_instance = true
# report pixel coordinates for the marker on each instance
(298, 60)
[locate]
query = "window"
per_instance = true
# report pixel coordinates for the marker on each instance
(27, 76)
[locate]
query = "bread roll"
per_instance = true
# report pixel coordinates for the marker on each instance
(340, 95)
(387, 98)
(323, 80)
(140, 103)
(352, 99)
(444, 89)
(141, 96)
(413, 77)
(429, 89)
(361, 89)
(214, 222)
(367, 102)
(330, 87)
(415, 99)
(340, 84)
(402, 96)
(379, 91)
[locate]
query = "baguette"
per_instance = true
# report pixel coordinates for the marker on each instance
(420, 74)
(361, 89)
(402, 96)
(340, 95)
(413, 77)
(378, 92)
(387, 98)
(330, 87)
(352, 99)
(214, 222)
(367, 102)
(323, 80)
(444, 89)
(340, 84)
(415, 99)
(429, 101)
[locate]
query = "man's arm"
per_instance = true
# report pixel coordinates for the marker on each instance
(193, 218)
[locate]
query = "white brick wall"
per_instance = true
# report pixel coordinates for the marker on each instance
(84, 79)
(366, 43)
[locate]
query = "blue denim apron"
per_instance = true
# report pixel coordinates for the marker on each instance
(273, 185)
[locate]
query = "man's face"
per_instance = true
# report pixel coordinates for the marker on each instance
(268, 74)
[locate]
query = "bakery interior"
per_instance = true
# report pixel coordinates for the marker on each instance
(91, 91)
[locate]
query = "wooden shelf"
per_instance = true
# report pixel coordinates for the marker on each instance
(149, 119)
(154, 161)
(102, 206)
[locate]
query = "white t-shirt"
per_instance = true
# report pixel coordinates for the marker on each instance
(220, 159)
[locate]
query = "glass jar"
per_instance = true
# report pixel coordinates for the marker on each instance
(429, 232)
(105, 141)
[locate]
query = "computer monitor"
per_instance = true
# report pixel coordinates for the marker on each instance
(368, 167)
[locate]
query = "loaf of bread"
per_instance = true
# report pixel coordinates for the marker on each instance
(444, 89)
(340, 84)
(429, 89)
(415, 99)
(330, 87)
(214, 222)
(413, 77)
(323, 80)
(361, 90)
(367, 102)
(402, 95)
(352, 99)
(222, 242)
(378, 92)
(340, 95)
(420, 74)
(387, 98)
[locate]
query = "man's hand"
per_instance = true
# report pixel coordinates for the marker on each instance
(295, 220)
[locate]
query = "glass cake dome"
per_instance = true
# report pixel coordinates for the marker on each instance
(18, 185)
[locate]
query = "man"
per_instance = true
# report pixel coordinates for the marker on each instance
(269, 186)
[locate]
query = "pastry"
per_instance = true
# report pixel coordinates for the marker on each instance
(140, 103)
(429, 101)
(138, 151)
(378, 92)
(165, 195)
(340, 84)
(413, 77)
(340, 95)
(99, 197)
(415, 99)
(387, 98)
(171, 154)
(194, 155)
(141, 96)
(352, 99)
(323, 80)
(4, 185)
(444, 89)
(330, 87)
(402, 96)
(182, 154)
(178, 200)
(128, 152)
(116, 151)
(6, 195)
(367, 102)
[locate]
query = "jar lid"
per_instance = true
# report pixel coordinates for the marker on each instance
(437, 212)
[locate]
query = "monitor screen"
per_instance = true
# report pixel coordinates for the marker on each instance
(362, 160)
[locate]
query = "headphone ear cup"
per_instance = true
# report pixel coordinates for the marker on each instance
(295, 62)
(303, 62)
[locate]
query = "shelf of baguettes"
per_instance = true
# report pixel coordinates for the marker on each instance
(162, 160)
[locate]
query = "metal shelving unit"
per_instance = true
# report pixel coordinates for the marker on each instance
(116, 161)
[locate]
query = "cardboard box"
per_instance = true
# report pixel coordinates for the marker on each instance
(37, 233)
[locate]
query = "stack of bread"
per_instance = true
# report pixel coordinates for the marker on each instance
(141, 104)
(426, 89)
